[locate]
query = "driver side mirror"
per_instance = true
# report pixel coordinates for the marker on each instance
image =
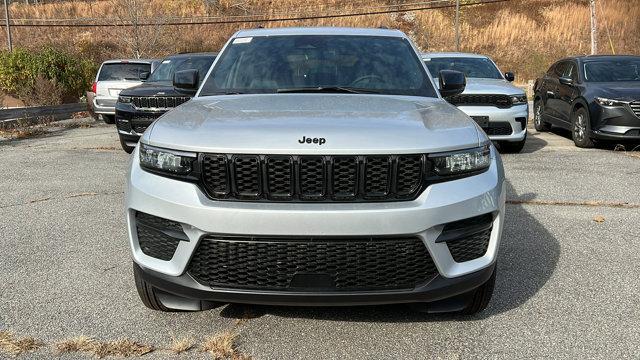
(566, 81)
(186, 80)
(451, 82)
(144, 76)
(509, 76)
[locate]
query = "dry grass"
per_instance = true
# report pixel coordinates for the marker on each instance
(223, 346)
(179, 346)
(15, 346)
(100, 349)
(23, 133)
(524, 36)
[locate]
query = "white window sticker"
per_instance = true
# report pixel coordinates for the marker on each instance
(166, 61)
(244, 40)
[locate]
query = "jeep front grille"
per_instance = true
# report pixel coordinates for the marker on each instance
(498, 128)
(158, 102)
(501, 101)
(313, 177)
(299, 264)
(635, 107)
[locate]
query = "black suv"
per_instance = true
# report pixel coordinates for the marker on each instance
(139, 106)
(595, 97)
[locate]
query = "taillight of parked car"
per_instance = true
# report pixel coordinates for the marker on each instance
(94, 86)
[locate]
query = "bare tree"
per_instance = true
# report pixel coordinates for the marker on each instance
(141, 40)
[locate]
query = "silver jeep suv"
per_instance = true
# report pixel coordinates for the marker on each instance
(500, 108)
(316, 166)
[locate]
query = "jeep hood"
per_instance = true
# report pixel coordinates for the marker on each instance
(349, 123)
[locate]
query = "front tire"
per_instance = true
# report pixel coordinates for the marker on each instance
(538, 123)
(109, 119)
(581, 128)
(481, 296)
(128, 149)
(148, 294)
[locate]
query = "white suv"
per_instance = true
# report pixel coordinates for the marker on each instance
(114, 76)
(500, 108)
(316, 166)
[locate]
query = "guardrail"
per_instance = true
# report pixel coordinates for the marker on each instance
(10, 117)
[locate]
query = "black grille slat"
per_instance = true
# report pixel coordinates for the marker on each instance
(247, 176)
(345, 177)
(497, 100)
(280, 177)
(340, 178)
(635, 107)
(409, 174)
(377, 176)
(158, 102)
(357, 264)
(216, 174)
(312, 179)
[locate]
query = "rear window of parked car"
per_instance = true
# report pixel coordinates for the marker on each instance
(122, 71)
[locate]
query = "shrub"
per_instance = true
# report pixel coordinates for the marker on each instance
(26, 74)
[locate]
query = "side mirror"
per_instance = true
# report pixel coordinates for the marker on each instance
(451, 82)
(565, 81)
(144, 76)
(509, 76)
(186, 80)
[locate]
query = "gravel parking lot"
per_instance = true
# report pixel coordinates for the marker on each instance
(568, 286)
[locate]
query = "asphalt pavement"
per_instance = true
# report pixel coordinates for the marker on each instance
(567, 287)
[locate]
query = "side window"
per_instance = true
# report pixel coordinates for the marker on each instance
(571, 71)
(560, 69)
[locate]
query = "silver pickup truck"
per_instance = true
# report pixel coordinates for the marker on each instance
(316, 166)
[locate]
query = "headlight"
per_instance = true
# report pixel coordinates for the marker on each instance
(124, 99)
(610, 102)
(461, 162)
(518, 99)
(167, 161)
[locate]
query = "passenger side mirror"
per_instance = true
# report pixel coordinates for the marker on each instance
(509, 76)
(144, 76)
(565, 81)
(451, 82)
(186, 80)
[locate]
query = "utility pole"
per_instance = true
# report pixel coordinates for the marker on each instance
(6, 17)
(457, 25)
(594, 30)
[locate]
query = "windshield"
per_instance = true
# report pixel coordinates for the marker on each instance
(166, 69)
(270, 64)
(471, 67)
(122, 71)
(612, 70)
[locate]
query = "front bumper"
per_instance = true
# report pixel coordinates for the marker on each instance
(614, 123)
(516, 116)
(424, 218)
(104, 105)
(132, 123)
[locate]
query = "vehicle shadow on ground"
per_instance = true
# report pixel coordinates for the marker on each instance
(528, 256)
(532, 144)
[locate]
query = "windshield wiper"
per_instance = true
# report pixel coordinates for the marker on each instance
(329, 89)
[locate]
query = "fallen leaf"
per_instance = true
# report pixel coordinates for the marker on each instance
(598, 218)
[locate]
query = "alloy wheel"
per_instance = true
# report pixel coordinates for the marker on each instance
(580, 127)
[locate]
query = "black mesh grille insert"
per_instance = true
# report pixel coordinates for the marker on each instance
(158, 102)
(158, 237)
(468, 239)
(470, 247)
(501, 101)
(313, 178)
(498, 128)
(278, 264)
